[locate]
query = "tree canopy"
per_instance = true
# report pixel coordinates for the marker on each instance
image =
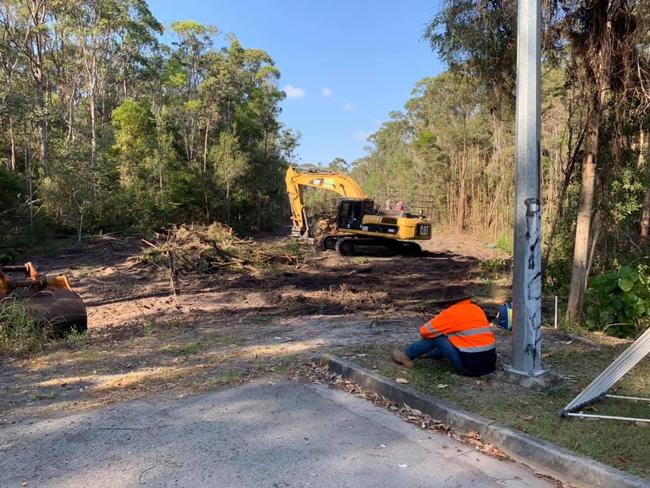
(110, 128)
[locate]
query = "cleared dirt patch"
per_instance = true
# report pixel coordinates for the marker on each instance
(224, 326)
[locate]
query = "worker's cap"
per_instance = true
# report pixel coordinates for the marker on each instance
(452, 295)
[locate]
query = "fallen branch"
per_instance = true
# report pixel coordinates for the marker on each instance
(150, 244)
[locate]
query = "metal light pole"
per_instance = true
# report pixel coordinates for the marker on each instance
(527, 261)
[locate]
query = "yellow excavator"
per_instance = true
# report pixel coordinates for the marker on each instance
(358, 222)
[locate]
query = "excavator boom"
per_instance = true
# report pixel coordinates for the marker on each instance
(342, 184)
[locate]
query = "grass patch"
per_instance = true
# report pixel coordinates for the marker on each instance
(44, 396)
(494, 266)
(226, 378)
(75, 339)
(189, 349)
(20, 334)
(262, 319)
(623, 445)
(150, 327)
(504, 243)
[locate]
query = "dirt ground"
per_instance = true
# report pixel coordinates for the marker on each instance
(119, 291)
(239, 324)
(226, 327)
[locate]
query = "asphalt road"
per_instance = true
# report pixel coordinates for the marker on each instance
(263, 434)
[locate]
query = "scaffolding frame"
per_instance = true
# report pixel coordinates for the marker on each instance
(598, 388)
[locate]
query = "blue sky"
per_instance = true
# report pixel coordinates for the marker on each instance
(344, 64)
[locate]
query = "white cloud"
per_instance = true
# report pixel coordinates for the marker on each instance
(326, 92)
(361, 135)
(377, 122)
(294, 92)
(349, 107)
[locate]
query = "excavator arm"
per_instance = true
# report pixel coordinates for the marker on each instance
(297, 180)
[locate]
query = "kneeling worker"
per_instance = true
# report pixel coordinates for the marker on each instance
(460, 333)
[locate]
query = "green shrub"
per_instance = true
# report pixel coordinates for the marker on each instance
(557, 276)
(154, 255)
(618, 302)
(293, 247)
(495, 266)
(504, 242)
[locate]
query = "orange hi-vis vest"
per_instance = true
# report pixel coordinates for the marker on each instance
(466, 326)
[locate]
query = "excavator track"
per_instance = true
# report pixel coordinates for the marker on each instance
(349, 245)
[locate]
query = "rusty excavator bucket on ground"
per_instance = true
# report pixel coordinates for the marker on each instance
(48, 299)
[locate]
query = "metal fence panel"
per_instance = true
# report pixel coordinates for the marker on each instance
(639, 349)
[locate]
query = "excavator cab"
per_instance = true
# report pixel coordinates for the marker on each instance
(351, 212)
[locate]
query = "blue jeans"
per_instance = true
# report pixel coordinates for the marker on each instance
(438, 348)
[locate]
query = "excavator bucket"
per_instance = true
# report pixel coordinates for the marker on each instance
(48, 299)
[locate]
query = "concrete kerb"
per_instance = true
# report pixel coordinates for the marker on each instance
(540, 455)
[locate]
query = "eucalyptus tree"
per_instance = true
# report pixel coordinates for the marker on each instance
(98, 29)
(27, 38)
(600, 45)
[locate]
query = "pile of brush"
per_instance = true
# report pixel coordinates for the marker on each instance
(208, 249)
(325, 226)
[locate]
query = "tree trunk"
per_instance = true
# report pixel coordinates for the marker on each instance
(586, 205)
(567, 176)
(462, 187)
(36, 52)
(12, 145)
(228, 201)
(80, 226)
(93, 121)
(595, 234)
(645, 215)
(205, 146)
(42, 141)
(30, 192)
(186, 141)
(206, 201)
(642, 153)
(645, 218)
(70, 121)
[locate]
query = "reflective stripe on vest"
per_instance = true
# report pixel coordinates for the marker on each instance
(427, 325)
(471, 332)
(435, 332)
(476, 340)
(466, 326)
